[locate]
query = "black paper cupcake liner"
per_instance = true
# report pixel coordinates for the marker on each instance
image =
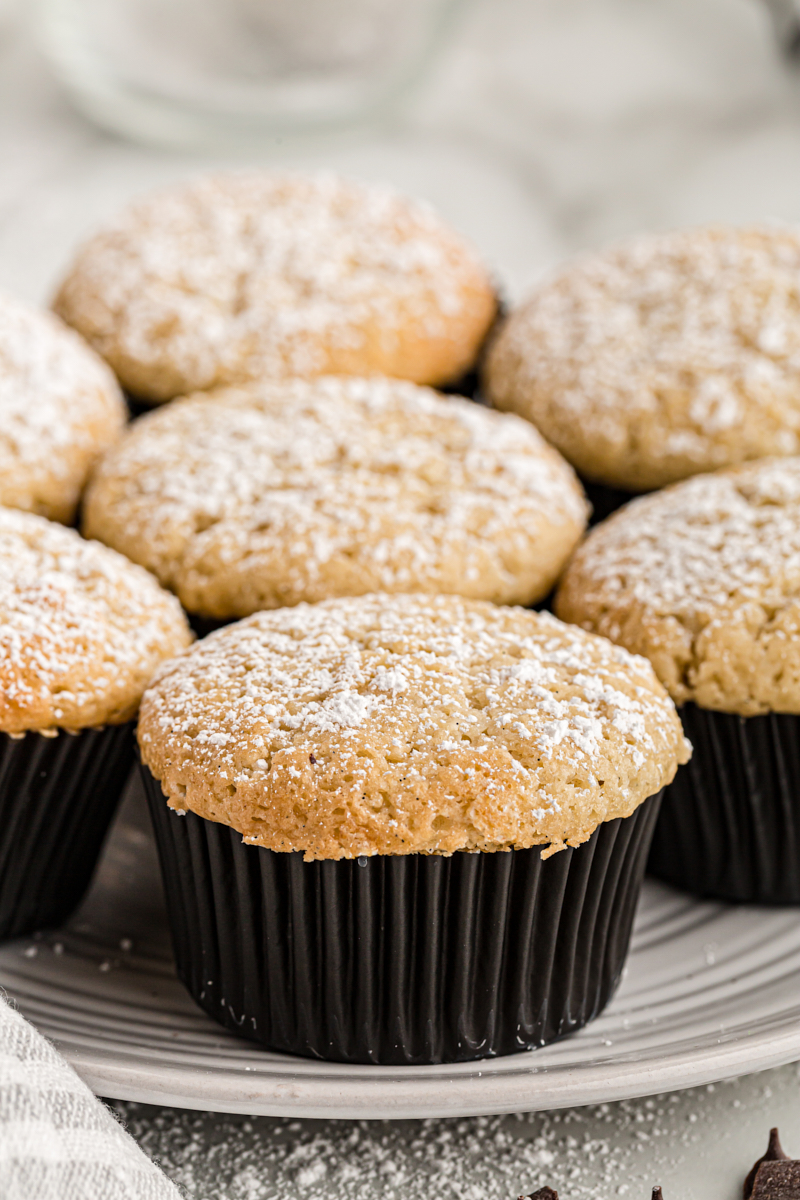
(605, 500)
(203, 626)
(405, 959)
(136, 406)
(57, 797)
(470, 382)
(730, 822)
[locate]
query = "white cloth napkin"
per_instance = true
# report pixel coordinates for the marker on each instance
(57, 1140)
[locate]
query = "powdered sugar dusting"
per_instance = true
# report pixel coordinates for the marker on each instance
(346, 709)
(81, 629)
(666, 355)
(703, 578)
(249, 275)
(59, 408)
(441, 724)
(266, 496)
(715, 542)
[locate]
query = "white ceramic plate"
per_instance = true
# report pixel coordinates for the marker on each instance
(709, 992)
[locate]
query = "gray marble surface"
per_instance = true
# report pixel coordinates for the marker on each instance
(547, 126)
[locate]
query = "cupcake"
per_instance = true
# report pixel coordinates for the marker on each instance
(60, 409)
(280, 492)
(404, 829)
(704, 580)
(81, 631)
(660, 358)
(243, 276)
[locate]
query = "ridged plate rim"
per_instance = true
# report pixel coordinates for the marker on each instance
(710, 992)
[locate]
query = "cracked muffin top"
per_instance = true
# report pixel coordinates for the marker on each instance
(243, 276)
(81, 628)
(265, 496)
(408, 724)
(661, 357)
(60, 409)
(704, 580)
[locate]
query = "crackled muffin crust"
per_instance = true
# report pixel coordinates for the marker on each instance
(266, 496)
(704, 580)
(243, 276)
(408, 724)
(81, 628)
(661, 357)
(60, 408)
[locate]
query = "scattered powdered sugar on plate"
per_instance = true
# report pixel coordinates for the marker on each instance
(600, 1152)
(704, 579)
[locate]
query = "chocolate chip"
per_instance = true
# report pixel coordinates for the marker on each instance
(544, 1193)
(311, 759)
(775, 1153)
(656, 1194)
(777, 1180)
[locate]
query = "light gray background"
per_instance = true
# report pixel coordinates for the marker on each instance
(547, 126)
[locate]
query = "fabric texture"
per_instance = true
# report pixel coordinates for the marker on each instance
(57, 1140)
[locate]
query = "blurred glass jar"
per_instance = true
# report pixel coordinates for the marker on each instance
(208, 71)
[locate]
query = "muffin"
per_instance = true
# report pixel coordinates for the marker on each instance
(60, 409)
(244, 276)
(704, 580)
(660, 358)
(280, 492)
(404, 829)
(81, 631)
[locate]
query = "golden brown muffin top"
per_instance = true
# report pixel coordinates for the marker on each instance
(265, 496)
(240, 276)
(408, 724)
(60, 408)
(661, 357)
(704, 580)
(81, 628)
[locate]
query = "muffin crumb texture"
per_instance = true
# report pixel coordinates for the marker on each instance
(244, 276)
(81, 628)
(704, 580)
(408, 724)
(265, 496)
(661, 357)
(60, 408)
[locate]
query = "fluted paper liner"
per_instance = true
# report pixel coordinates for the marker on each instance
(730, 822)
(57, 797)
(399, 958)
(605, 500)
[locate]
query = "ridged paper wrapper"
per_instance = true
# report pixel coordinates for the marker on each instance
(399, 958)
(57, 798)
(730, 822)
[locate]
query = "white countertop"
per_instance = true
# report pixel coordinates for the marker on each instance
(698, 1145)
(548, 126)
